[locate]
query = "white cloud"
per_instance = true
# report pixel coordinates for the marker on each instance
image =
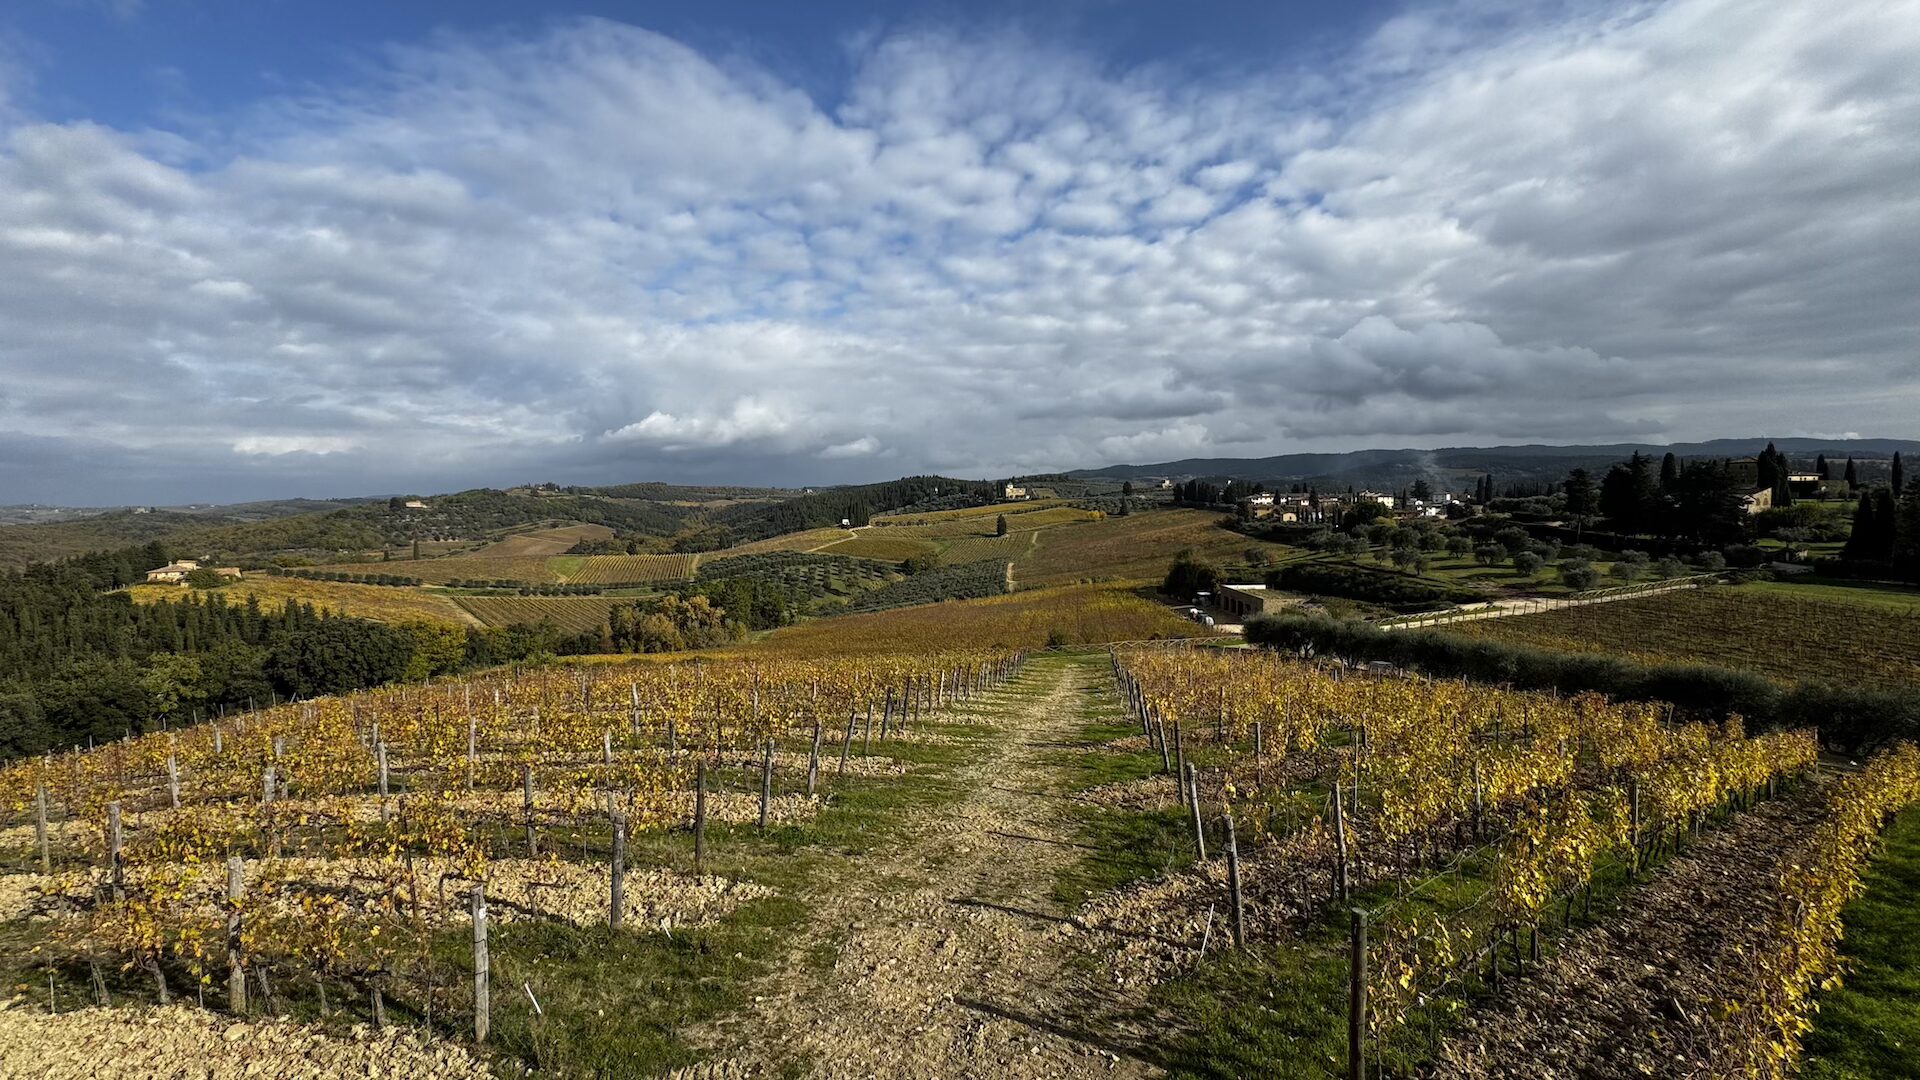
(277, 445)
(864, 446)
(596, 252)
(749, 419)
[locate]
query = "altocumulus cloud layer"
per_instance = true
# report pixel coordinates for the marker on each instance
(598, 254)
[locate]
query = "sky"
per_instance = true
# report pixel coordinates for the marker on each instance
(266, 248)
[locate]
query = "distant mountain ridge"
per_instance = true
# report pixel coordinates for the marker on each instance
(1391, 469)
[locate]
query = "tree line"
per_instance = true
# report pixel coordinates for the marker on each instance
(82, 662)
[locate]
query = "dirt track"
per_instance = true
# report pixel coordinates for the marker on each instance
(952, 958)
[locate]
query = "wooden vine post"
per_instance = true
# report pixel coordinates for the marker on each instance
(526, 809)
(1193, 803)
(1357, 1000)
(766, 784)
(813, 759)
(119, 862)
(1339, 844)
(1233, 885)
(40, 827)
(1633, 819)
(482, 967)
(700, 817)
(617, 901)
(380, 754)
(236, 969)
(173, 781)
(1180, 774)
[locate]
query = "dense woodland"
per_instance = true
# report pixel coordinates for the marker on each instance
(855, 505)
(82, 663)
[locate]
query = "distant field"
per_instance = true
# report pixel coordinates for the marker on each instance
(581, 614)
(1780, 636)
(883, 544)
(1074, 614)
(1137, 546)
(969, 513)
(1020, 517)
(624, 569)
(1900, 598)
(542, 542)
(982, 548)
(534, 570)
(379, 602)
(800, 541)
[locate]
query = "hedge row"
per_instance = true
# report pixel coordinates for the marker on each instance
(1852, 719)
(395, 580)
(1364, 583)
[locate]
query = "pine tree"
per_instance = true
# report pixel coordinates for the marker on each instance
(1820, 466)
(1899, 474)
(1669, 471)
(1852, 476)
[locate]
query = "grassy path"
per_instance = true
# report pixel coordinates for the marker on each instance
(944, 952)
(1870, 1026)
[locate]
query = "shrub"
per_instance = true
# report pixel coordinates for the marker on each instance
(1528, 563)
(204, 578)
(1578, 574)
(1189, 574)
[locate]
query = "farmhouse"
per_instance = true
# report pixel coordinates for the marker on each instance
(1013, 492)
(1245, 601)
(1380, 497)
(1758, 499)
(175, 573)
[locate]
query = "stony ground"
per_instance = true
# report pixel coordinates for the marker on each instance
(951, 957)
(188, 1043)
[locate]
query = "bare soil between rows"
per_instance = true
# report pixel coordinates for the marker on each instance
(1636, 995)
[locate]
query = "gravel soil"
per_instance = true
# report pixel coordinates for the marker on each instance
(950, 957)
(183, 1042)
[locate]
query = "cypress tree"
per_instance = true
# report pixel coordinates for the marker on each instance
(1860, 540)
(1820, 466)
(1669, 471)
(1886, 524)
(1899, 474)
(1852, 474)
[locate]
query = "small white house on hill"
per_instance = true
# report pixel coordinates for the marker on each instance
(175, 573)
